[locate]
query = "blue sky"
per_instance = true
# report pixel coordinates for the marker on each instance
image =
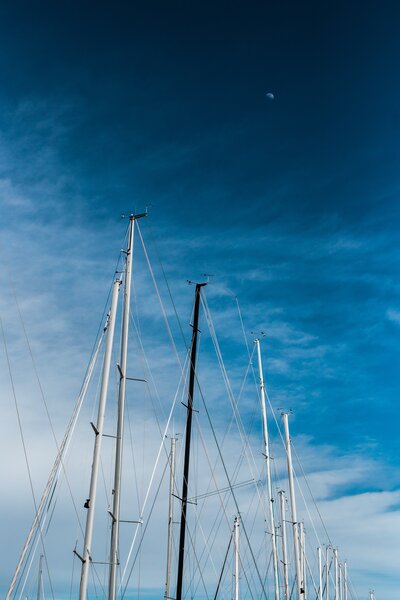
(292, 203)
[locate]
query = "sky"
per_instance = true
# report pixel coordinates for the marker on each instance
(291, 204)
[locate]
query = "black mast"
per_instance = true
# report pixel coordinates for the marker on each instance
(187, 440)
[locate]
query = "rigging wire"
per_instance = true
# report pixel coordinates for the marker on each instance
(214, 529)
(233, 494)
(133, 461)
(161, 447)
(191, 540)
(207, 545)
(124, 590)
(313, 499)
(241, 456)
(165, 317)
(230, 484)
(150, 375)
(310, 573)
(153, 239)
(223, 567)
(72, 573)
(24, 445)
(239, 422)
(242, 327)
(222, 490)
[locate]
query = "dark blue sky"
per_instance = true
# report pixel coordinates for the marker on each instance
(165, 104)
(168, 102)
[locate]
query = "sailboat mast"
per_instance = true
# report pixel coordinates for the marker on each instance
(268, 466)
(114, 550)
(319, 550)
(327, 574)
(236, 562)
(170, 516)
(284, 545)
(300, 590)
(336, 565)
(345, 581)
(98, 430)
(39, 589)
(192, 378)
(303, 557)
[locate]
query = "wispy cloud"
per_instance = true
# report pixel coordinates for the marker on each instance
(393, 315)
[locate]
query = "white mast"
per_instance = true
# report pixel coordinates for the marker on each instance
(319, 550)
(345, 580)
(39, 589)
(236, 562)
(327, 574)
(114, 546)
(91, 501)
(371, 595)
(284, 546)
(302, 556)
(300, 590)
(268, 465)
(335, 558)
(340, 582)
(170, 516)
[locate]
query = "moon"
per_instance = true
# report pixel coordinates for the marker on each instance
(270, 96)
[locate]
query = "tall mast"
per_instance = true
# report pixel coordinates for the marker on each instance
(170, 516)
(319, 550)
(268, 465)
(336, 565)
(303, 558)
(327, 574)
(98, 430)
(236, 562)
(114, 546)
(345, 581)
(39, 588)
(302, 555)
(192, 378)
(284, 546)
(300, 590)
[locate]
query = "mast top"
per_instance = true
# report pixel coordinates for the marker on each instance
(198, 285)
(259, 336)
(135, 216)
